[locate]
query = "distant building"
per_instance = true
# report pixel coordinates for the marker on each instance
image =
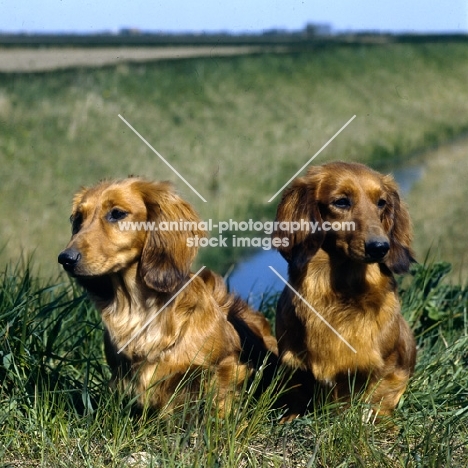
(317, 29)
(130, 32)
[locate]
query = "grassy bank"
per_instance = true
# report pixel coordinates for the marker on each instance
(438, 208)
(56, 409)
(236, 128)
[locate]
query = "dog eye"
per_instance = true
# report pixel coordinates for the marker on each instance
(342, 203)
(76, 221)
(116, 215)
(381, 203)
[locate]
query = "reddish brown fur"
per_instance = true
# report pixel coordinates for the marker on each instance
(131, 274)
(348, 284)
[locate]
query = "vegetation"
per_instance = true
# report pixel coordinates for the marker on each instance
(313, 35)
(56, 409)
(438, 208)
(236, 128)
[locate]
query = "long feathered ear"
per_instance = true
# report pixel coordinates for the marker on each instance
(298, 209)
(167, 256)
(397, 224)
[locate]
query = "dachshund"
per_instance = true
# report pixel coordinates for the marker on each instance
(339, 325)
(165, 327)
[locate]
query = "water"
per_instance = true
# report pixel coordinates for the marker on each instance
(407, 176)
(252, 278)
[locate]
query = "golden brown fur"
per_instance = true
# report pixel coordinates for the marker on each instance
(346, 276)
(132, 274)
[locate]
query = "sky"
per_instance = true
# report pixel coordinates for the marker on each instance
(83, 16)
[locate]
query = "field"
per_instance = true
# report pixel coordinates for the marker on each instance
(54, 58)
(237, 128)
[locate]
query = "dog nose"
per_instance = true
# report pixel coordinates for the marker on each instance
(377, 249)
(69, 258)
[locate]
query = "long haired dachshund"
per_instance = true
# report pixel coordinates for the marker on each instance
(170, 326)
(342, 329)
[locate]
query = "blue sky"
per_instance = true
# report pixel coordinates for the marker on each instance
(236, 16)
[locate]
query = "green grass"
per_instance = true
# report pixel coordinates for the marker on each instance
(56, 409)
(236, 128)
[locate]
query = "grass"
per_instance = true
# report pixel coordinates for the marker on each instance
(236, 128)
(438, 208)
(57, 410)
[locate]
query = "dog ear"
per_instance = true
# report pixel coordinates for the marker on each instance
(397, 223)
(295, 213)
(167, 256)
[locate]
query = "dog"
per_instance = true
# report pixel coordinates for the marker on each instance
(341, 329)
(164, 326)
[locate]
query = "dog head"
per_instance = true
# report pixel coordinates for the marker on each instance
(352, 211)
(116, 225)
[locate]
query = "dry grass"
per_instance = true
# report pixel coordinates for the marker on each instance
(14, 60)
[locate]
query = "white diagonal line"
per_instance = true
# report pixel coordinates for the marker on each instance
(160, 156)
(140, 331)
(313, 157)
(313, 310)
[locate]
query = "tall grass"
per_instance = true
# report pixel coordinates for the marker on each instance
(56, 409)
(236, 128)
